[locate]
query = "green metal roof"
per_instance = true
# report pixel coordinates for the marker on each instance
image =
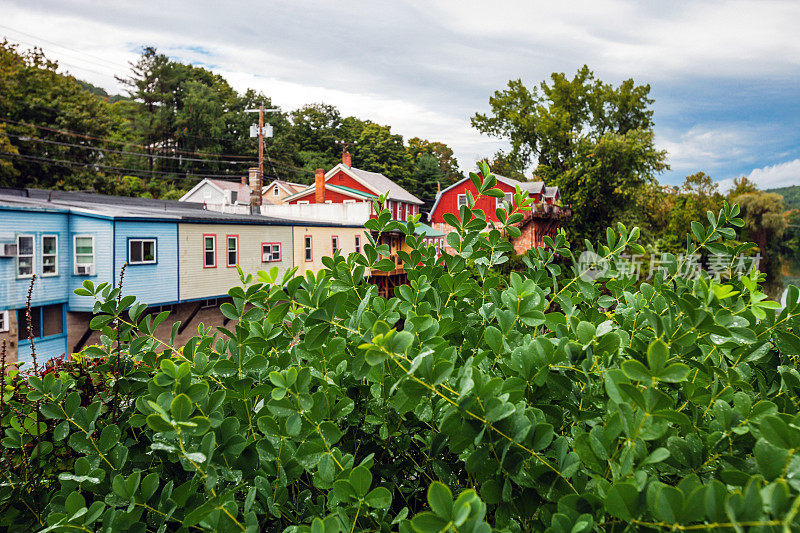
(425, 230)
(352, 191)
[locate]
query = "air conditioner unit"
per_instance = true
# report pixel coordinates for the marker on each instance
(85, 270)
(8, 250)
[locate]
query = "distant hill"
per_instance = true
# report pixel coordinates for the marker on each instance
(791, 196)
(99, 91)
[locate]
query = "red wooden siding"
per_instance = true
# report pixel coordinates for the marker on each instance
(449, 201)
(340, 178)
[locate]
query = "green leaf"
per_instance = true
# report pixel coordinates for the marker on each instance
(776, 432)
(674, 373)
(361, 480)
(181, 407)
(427, 522)
(440, 499)
(622, 501)
(635, 370)
(109, 437)
(657, 354)
(379, 498)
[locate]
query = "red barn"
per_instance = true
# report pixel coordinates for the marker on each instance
(543, 219)
(347, 184)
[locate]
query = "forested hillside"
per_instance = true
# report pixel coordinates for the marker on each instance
(177, 124)
(791, 195)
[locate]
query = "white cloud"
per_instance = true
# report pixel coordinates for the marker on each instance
(426, 67)
(779, 175)
(708, 148)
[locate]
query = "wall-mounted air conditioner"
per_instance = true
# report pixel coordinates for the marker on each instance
(84, 270)
(8, 250)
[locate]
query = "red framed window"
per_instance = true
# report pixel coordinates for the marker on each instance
(358, 244)
(309, 248)
(270, 252)
(209, 250)
(334, 243)
(232, 250)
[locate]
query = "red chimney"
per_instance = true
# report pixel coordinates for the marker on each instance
(319, 184)
(244, 180)
(346, 159)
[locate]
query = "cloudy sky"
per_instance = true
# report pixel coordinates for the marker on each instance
(725, 74)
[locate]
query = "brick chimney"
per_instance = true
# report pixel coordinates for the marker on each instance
(346, 159)
(319, 185)
(253, 176)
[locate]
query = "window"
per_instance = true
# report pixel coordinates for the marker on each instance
(276, 191)
(509, 197)
(270, 251)
(24, 256)
(49, 255)
(141, 251)
(46, 321)
(358, 244)
(234, 196)
(462, 200)
(84, 255)
(4, 325)
(348, 201)
(209, 251)
(233, 250)
(402, 212)
(334, 243)
(303, 202)
(208, 303)
(309, 248)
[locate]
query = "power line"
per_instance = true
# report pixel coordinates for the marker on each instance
(113, 63)
(123, 152)
(126, 143)
(153, 173)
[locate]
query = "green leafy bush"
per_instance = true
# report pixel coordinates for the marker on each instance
(553, 403)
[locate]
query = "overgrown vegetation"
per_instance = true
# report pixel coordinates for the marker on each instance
(558, 403)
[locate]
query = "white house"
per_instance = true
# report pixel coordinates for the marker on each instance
(215, 193)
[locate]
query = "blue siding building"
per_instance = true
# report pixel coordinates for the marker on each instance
(34, 241)
(65, 238)
(150, 249)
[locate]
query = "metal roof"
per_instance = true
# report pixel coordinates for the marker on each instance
(352, 190)
(382, 184)
(425, 230)
(130, 208)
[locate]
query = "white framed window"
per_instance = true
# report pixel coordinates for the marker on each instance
(209, 303)
(309, 248)
(270, 252)
(4, 325)
(209, 251)
(508, 197)
(234, 196)
(142, 252)
(233, 250)
(334, 243)
(358, 244)
(462, 200)
(276, 191)
(49, 255)
(348, 201)
(303, 202)
(83, 253)
(25, 249)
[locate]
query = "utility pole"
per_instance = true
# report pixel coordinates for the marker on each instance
(255, 194)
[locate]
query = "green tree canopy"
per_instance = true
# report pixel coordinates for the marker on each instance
(592, 139)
